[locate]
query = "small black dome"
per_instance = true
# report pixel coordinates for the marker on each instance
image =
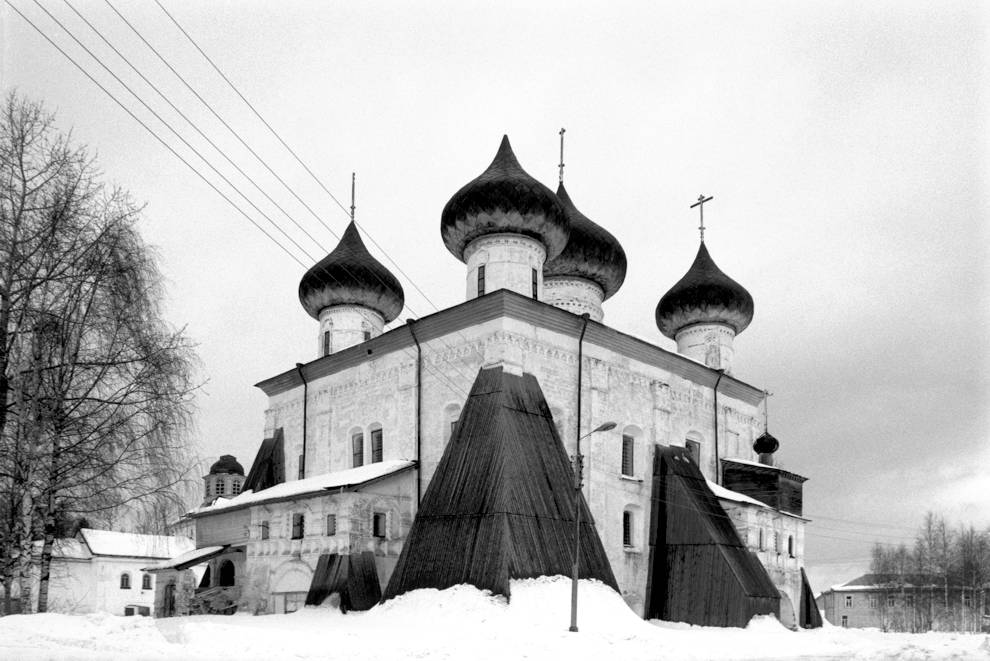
(766, 444)
(351, 276)
(227, 464)
(704, 295)
(504, 198)
(591, 252)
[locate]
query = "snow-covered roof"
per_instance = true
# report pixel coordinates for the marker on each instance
(350, 477)
(133, 545)
(67, 548)
(188, 558)
(728, 494)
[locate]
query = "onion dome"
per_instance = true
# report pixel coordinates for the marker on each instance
(351, 276)
(591, 252)
(504, 198)
(227, 464)
(766, 444)
(704, 295)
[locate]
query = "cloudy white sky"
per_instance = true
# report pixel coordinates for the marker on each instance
(845, 144)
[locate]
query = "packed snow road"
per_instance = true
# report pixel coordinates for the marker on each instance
(459, 623)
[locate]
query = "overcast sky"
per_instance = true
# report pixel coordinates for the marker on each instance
(845, 144)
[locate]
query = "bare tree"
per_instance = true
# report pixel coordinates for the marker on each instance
(95, 386)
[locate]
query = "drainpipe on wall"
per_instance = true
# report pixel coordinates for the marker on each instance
(419, 410)
(718, 468)
(302, 459)
(578, 470)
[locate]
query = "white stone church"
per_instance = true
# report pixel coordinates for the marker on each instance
(695, 521)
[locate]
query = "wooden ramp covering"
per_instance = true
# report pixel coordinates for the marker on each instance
(700, 571)
(268, 468)
(810, 617)
(352, 576)
(501, 502)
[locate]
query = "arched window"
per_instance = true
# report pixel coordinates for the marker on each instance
(630, 438)
(235, 487)
(357, 447)
(761, 539)
(226, 573)
(326, 343)
(146, 582)
(375, 431)
(481, 280)
(125, 581)
(451, 414)
(693, 445)
(790, 545)
(628, 521)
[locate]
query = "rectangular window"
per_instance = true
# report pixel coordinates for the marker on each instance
(890, 601)
(264, 530)
(536, 286)
(220, 487)
(481, 280)
(845, 620)
(628, 444)
(298, 526)
(367, 335)
(849, 601)
(302, 466)
(128, 611)
(909, 600)
(627, 540)
(326, 343)
(331, 524)
(873, 601)
(235, 488)
(453, 427)
(694, 449)
(378, 527)
(376, 445)
(357, 449)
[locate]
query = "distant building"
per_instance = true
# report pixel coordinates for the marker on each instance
(910, 602)
(356, 439)
(103, 571)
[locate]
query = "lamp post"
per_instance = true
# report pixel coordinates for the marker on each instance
(578, 471)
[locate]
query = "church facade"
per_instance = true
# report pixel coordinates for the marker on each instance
(355, 437)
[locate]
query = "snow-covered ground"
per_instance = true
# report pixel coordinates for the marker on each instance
(459, 623)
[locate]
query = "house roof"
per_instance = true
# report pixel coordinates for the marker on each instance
(133, 545)
(505, 303)
(350, 478)
(868, 582)
(765, 468)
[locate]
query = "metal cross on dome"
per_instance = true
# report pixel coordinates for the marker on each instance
(701, 204)
(561, 164)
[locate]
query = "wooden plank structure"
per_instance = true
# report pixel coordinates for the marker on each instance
(352, 576)
(809, 617)
(699, 572)
(501, 502)
(268, 468)
(780, 489)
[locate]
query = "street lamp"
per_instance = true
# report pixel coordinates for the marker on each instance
(578, 470)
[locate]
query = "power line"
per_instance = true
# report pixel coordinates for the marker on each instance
(439, 375)
(291, 151)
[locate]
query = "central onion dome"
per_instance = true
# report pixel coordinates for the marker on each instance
(591, 252)
(504, 198)
(227, 464)
(351, 276)
(704, 295)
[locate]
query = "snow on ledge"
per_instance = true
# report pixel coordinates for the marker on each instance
(187, 557)
(133, 545)
(728, 494)
(311, 485)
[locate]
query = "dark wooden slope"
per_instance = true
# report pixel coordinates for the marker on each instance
(352, 576)
(268, 468)
(700, 571)
(501, 502)
(809, 617)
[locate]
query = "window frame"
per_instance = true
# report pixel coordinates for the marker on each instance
(536, 285)
(357, 449)
(265, 529)
(849, 601)
(628, 455)
(125, 580)
(146, 582)
(298, 525)
(627, 530)
(694, 450)
(326, 343)
(481, 280)
(377, 444)
(379, 531)
(330, 523)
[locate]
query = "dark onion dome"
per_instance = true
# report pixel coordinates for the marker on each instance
(704, 295)
(351, 276)
(504, 198)
(766, 444)
(227, 464)
(591, 252)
